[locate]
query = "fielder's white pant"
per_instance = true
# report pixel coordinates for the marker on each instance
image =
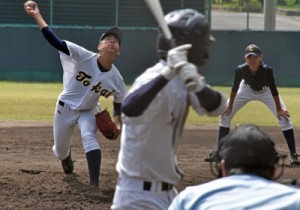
(244, 95)
(130, 195)
(65, 121)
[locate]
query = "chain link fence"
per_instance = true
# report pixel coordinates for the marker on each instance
(91, 13)
(249, 15)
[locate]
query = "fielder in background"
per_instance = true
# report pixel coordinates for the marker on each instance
(247, 166)
(254, 80)
(154, 114)
(87, 76)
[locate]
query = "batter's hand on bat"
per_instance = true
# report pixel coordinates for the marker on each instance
(177, 58)
(189, 75)
(31, 8)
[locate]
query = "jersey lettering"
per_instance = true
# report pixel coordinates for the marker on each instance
(106, 93)
(97, 88)
(103, 92)
(84, 77)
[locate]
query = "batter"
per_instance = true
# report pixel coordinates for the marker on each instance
(87, 76)
(254, 80)
(154, 114)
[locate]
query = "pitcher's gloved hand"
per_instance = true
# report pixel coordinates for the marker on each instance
(106, 126)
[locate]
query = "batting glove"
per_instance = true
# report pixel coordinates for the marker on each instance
(189, 75)
(176, 59)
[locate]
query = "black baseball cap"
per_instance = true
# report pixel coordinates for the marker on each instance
(247, 146)
(115, 31)
(252, 49)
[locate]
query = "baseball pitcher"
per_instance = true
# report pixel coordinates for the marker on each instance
(87, 76)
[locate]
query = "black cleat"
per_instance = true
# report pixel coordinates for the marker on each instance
(68, 165)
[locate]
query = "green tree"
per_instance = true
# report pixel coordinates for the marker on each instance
(290, 2)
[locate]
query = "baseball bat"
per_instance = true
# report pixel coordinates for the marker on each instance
(156, 10)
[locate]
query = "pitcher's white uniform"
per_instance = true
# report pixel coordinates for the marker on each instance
(78, 103)
(87, 76)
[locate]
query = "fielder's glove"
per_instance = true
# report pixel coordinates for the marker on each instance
(106, 126)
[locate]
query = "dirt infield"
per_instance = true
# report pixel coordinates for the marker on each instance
(31, 178)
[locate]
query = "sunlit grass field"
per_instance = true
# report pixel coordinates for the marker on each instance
(36, 102)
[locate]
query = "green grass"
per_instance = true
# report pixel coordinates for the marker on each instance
(36, 102)
(255, 112)
(31, 101)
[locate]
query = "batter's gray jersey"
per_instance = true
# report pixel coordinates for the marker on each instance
(238, 192)
(149, 141)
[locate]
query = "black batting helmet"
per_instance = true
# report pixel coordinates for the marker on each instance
(187, 26)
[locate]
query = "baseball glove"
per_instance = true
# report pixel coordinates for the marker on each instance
(106, 126)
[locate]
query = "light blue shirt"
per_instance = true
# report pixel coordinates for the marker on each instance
(238, 192)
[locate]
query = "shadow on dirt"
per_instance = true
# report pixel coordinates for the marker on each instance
(93, 193)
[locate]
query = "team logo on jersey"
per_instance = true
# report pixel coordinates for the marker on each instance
(85, 79)
(103, 92)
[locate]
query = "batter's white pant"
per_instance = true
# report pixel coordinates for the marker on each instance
(65, 121)
(130, 195)
(244, 95)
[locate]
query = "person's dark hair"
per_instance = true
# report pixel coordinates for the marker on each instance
(187, 26)
(248, 150)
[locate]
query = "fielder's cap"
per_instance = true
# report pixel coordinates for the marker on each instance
(115, 31)
(252, 49)
(248, 146)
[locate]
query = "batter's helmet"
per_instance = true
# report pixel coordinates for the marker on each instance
(187, 26)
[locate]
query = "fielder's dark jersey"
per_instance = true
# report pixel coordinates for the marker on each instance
(257, 82)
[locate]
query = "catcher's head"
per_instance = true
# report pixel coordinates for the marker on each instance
(187, 26)
(247, 150)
